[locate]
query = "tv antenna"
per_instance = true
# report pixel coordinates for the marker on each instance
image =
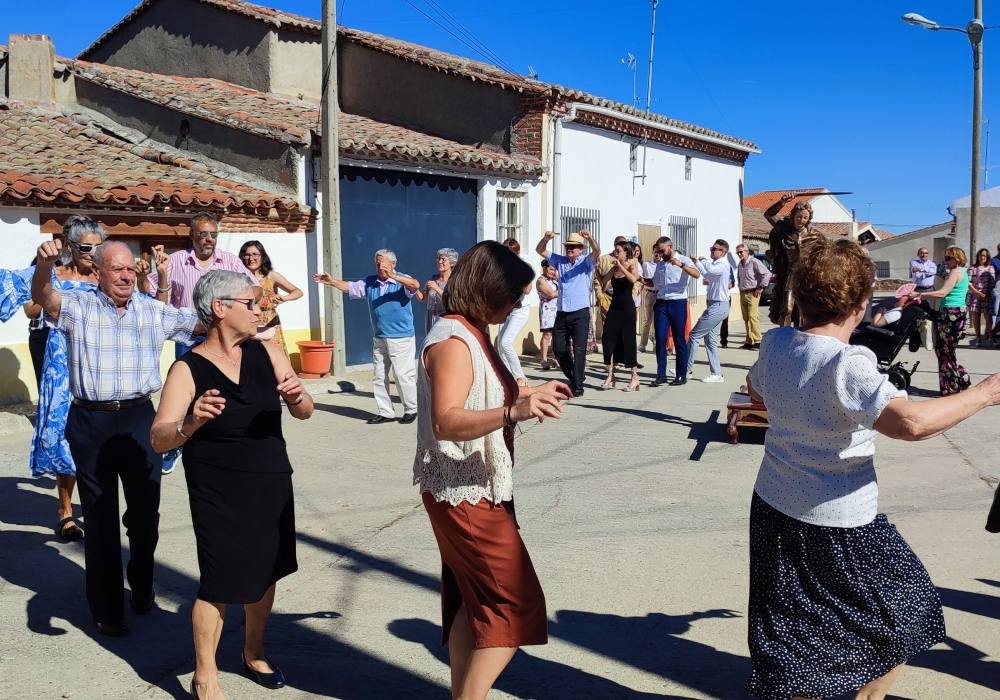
(630, 63)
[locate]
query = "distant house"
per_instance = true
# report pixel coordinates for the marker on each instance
(988, 234)
(830, 216)
(892, 256)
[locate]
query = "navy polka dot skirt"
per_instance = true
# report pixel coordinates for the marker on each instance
(831, 608)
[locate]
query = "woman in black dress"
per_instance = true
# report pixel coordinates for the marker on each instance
(222, 403)
(618, 339)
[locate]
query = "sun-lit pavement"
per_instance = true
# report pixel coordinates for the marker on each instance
(634, 508)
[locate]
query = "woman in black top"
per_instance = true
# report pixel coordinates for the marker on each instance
(222, 403)
(618, 339)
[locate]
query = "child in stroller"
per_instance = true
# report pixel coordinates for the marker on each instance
(890, 330)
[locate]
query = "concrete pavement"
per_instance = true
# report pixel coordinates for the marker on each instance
(633, 506)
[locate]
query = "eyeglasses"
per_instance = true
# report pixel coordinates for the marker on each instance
(923, 252)
(250, 303)
(85, 247)
(202, 235)
(251, 255)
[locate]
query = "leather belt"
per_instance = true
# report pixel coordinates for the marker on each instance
(110, 405)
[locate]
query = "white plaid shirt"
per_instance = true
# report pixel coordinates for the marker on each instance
(116, 358)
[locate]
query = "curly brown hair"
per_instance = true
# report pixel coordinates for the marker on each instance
(833, 280)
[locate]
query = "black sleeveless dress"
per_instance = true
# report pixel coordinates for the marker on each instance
(618, 339)
(239, 482)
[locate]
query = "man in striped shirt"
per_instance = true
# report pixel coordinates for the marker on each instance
(114, 337)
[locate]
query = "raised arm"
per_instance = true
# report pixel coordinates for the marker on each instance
(949, 283)
(543, 244)
(771, 213)
(42, 291)
(409, 282)
(628, 270)
(595, 247)
(911, 420)
(687, 267)
(329, 281)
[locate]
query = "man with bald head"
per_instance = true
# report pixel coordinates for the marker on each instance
(114, 337)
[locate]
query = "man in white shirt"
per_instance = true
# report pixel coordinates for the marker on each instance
(670, 280)
(718, 272)
(922, 271)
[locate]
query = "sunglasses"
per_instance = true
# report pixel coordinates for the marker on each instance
(86, 247)
(202, 235)
(714, 249)
(250, 303)
(948, 257)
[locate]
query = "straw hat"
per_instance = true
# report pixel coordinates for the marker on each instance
(574, 239)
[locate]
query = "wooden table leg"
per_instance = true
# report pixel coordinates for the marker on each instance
(731, 429)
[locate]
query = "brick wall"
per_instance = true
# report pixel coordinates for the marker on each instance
(526, 132)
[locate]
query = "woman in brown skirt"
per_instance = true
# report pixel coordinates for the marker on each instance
(468, 405)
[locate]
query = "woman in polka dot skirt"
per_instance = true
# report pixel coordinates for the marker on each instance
(838, 600)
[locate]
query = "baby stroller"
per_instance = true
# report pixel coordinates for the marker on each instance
(886, 342)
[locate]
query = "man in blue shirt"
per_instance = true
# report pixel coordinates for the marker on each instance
(670, 280)
(389, 295)
(576, 272)
(923, 270)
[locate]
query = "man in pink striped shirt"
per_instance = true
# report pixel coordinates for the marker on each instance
(186, 267)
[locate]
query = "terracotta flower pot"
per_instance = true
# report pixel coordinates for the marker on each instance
(315, 356)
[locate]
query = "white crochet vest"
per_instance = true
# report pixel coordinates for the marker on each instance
(462, 471)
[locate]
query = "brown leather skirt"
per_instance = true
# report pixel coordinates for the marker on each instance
(485, 564)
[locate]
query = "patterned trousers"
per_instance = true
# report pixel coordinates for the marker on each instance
(952, 376)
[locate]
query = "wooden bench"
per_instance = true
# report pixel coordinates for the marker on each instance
(744, 412)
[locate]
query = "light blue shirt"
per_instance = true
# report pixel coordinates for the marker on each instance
(924, 277)
(670, 281)
(718, 273)
(574, 281)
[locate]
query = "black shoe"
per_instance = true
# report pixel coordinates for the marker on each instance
(273, 680)
(577, 393)
(142, 604)
(724, 343)
(378, 420)
(659, 381)
(679, 381)
(756, 346)
(638, 366)
(408, 418)
(112, 629)
(746, 346)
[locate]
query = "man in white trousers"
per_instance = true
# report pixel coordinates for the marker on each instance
(390, 304)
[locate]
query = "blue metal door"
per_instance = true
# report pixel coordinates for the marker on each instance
(414, 215)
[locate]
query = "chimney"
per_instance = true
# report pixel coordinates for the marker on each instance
(30, 66)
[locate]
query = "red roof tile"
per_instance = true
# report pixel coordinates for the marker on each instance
(755, 225)
(293, 121)
(49, 157)
(763, 200)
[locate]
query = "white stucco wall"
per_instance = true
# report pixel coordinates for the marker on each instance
(531, 218)
(988, 235)
(900, 251)
(829, 210)
(19, 230)
(595, 174)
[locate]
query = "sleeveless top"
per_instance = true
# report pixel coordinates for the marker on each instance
(475, 469)
(621, 294)
(268, 309)
(956, 297)
(246, 436)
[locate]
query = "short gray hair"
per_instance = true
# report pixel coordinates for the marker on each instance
(106, 249)
(385, 253)
(203, 216)
(449, 253)
(742, 246)
(217, 284)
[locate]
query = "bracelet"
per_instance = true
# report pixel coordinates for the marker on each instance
(180, 429)
(508, 421)
(302, 398)
(163, 289)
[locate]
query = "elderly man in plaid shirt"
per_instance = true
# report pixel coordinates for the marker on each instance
(114, 336)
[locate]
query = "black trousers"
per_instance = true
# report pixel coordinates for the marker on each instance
(106, 446)
(572, 326)
(37, 339)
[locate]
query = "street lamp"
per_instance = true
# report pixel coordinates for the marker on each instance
(974, 31)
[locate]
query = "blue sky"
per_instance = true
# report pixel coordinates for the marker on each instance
(842, 95)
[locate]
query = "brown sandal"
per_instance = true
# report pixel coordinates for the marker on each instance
(69, 529)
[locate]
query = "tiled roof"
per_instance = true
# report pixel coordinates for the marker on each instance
(276, 18)
(440, 61)
(47, 156)
(276, 117)
(293, 121)
(755, 225)
(763, 200)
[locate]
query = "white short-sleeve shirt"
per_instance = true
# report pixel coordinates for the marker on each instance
(823, 398)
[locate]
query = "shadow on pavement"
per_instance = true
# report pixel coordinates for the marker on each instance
(961, 661)
(527, 676)
(703, 434)
(975, 603)
(345, 411)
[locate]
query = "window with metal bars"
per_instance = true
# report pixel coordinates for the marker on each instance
(576, 219)
(510, 216)
(684, 234)
(881, 268)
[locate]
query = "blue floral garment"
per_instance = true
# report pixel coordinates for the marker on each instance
(15, 291)
(49, 449)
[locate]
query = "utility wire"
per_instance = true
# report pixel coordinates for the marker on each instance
(463, 30)
(478, 50)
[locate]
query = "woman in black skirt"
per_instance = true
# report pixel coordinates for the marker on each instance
(618, 339)
(838, 600)
(222, 403)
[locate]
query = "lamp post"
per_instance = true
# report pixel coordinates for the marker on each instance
(974, 31)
